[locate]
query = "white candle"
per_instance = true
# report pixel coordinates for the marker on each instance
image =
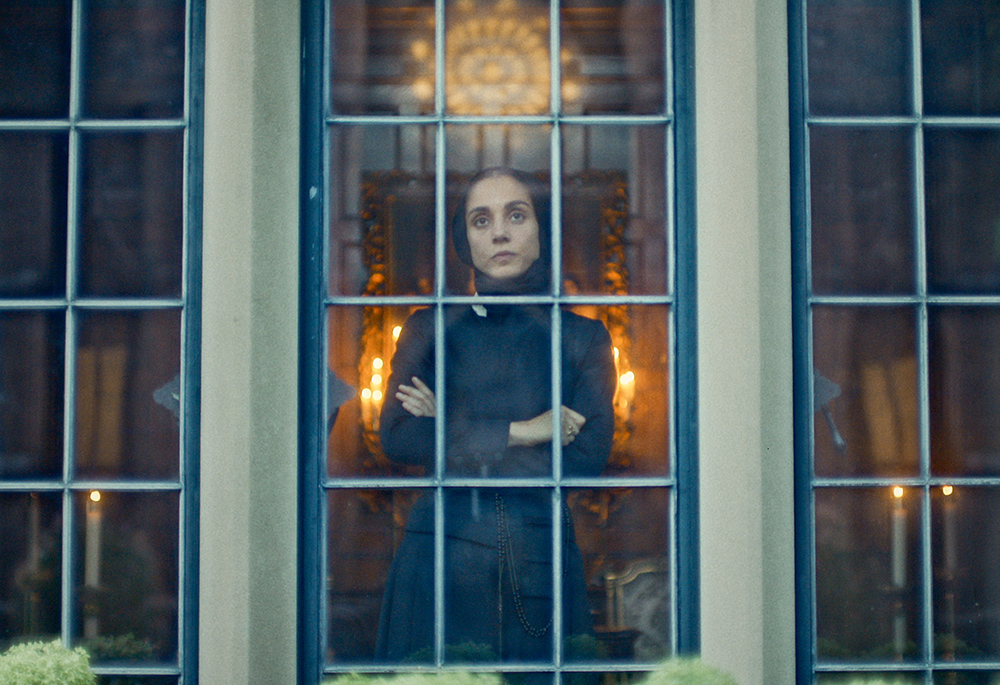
(92, 555)
(898, 540)
(950, 553)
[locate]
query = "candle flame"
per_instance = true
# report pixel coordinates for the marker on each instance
(95, 496)
(366, 394)
(395, 333)
(897, 491)
(377, 363)
(947, 490)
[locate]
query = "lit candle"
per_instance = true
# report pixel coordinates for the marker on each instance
(950, 553)
(92, 558)
(898, 539)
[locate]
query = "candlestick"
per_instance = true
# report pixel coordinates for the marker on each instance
(92, 560)
(898, 540)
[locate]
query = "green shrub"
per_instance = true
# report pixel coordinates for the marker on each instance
(687, 671)
(445, 678)
(45, 663)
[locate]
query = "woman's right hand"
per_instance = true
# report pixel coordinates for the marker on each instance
(539, 429)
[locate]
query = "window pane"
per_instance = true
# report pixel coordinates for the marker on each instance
(34, 58)
(963, 210)
(365, 529)
(383, 56)
(614, 210)
(624, 536)
(497, 57)
(613, 57)
(134, 64)
(868, 573)
(966, 521)
(127, 365)
(31, 394)
(382, 211)
(859, 57)
(30, 567)
(33, 221)
(965, 390)
(640, 337)
(866, 418)
(127, 560)
(847, 678)
(132, 223)
(961, 60)
(966, 677)
(361, 358)
(862, 210)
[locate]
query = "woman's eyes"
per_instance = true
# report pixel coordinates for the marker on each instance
(481, 221)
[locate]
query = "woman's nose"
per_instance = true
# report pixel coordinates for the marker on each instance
(501, 232)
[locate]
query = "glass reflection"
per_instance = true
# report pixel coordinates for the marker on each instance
(964, 390)
(362, 345)
(30, 567)
(868, 356)
(612, 57)
(497, 57)
(970, 677)
(961, 62)
(965, 523)
(382, 211)
(859, 57)
(366, 528)
(127, 560)
(862, 210)
(963, 210)
(868, 555)
(33, 222)
(127, 397)
(133, 221)
(614, 210)
(623, 534)
(134, 62)
(384, 56)
(34, 50)
(31, 394)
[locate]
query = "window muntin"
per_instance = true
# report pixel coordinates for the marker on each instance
(399, 143)
(896, 300)
(98, 320)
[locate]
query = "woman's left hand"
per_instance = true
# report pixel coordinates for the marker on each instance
(418, 399)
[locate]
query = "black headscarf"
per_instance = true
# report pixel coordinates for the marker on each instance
(537, 278)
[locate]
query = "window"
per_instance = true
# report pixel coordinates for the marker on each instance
(404, 105)
(99, 140)
(898, 308)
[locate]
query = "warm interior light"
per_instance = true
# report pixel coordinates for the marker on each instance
(95, 496)
(376, 379)
(947, 490)
(377, 363)
(366, 394)
(897, 491)
(395, 333)
(617, 353)
(377, 395)
(627, 378)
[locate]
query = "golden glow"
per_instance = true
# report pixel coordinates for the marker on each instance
(627, 378)
(377, 363)
(95, 496)
(377, 395)
(377, 379)
(947, 490)
(497, 59)
(395, 332)
(617, 354)
(366, 394)
(897, 491)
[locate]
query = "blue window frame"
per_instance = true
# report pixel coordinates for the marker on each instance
(100, 148)
(895, 143)
(402, 101)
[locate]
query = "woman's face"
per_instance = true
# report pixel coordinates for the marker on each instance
(502, 227)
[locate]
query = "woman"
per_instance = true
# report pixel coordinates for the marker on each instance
(498, 544)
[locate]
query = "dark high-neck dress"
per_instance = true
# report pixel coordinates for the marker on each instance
(498, 541)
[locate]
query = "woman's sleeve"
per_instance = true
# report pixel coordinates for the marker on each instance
(406, 438)
(592, 393)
